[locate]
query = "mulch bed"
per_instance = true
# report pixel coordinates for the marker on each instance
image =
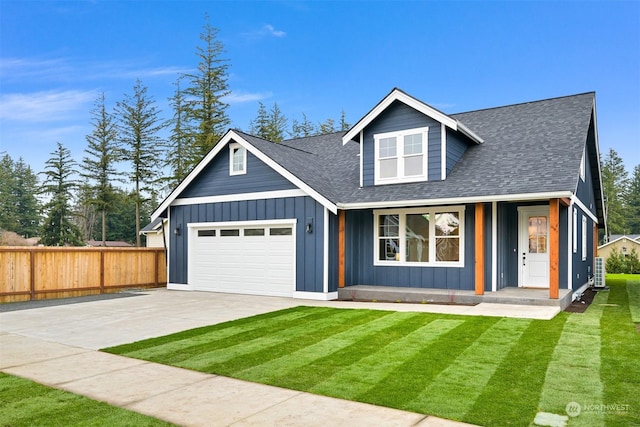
(580, 305)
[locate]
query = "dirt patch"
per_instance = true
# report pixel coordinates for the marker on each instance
(581, 304)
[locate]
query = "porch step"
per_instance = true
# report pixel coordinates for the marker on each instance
(451, 296)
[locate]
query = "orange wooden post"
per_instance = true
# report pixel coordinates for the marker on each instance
(554, 248)
(479, 240)
(341, 248)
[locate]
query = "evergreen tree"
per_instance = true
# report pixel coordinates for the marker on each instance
(99, 164)
(632, 263)
(614, 183)
(615, 262)
(58, 228)
(633, 202)
(121, 222)
(328, 126)
(269, 125)
(344, 125)
(204, 108)
(179, 140)
(302, 129)
(26, 204)
(260, 125)
(8, 214)
(139, 124)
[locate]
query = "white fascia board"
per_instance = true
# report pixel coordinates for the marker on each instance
(278, 194)
(443, 152)
(597, 143)
(583, 208)
(398, 95)
(468, 132)
(457, 200)
(233, 136)
(618, 239)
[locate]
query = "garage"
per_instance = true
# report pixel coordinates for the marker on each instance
(243, 257)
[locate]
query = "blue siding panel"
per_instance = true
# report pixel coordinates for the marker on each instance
(215, 180)
(309, 257)
(582, 270)
(456, 146)
(398, 117)
(585, 191)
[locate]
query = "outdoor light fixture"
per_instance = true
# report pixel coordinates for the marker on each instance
(309, 225)
(176, 231)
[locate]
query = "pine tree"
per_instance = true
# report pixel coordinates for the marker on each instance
(633, 202)
(139, 124)
(58, 228)
(26, 203)
(344, 125)
(99, 164)
(269, 125)
(614, 183)
(260, 125)
(204, 108)
(8, 214)
(302, 129)
(179, 140)
(328, 126)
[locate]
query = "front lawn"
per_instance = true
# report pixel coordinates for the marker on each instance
(25, 403)
(482, 370)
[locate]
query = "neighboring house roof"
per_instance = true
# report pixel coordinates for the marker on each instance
(615, 238)
(531, 151)
(154, 226)
(108, 243)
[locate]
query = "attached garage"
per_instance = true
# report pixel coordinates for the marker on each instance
(246, 257)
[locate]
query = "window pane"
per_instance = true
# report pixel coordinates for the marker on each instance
(238, 159)
(230, 232)
(389, 250)
(417, 235)
(389, 226)
(447, 224)
(206, 233)
(387, 147)
(280, 231)
(448, 249)
(254, 231)
(413, 144)
(413, 165)
(388, 168)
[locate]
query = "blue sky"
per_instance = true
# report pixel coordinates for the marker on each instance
(315, 57)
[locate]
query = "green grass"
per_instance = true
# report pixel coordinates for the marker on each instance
(482, 370)
(25, 403)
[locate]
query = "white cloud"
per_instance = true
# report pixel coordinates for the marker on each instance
(242, 97)
(44, 106)
(266, 30)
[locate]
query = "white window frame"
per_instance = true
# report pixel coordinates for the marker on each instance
(584, 238)
(402, 221)
(575, 230)
(400, 156)
(582, 166)
(232, 147)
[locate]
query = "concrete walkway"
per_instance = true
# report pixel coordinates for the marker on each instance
(55, 345)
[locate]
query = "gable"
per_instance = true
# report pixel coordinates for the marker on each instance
(215, 179)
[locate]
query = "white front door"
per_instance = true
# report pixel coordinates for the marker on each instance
(533, 244)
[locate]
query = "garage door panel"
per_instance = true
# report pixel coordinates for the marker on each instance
(262, 264)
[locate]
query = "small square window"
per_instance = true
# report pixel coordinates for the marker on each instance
(230, 232)
(280, 231)
(254, 231)
(206, 233)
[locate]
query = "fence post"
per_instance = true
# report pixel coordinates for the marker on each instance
(101, 270)
(157, 268)
(32, 276)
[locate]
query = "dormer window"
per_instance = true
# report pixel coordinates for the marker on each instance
(401, 156)
(582, 166)
(237, 159)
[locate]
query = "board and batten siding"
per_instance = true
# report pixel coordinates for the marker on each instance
(216, 181)
(309, 246)
(360, 270)
(585, 192)
(399, 117)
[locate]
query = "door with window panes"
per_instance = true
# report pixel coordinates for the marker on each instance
(534, 247)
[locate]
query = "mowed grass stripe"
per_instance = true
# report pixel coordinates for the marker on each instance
(510, 398)
(404, 383)
(454, 391)
(282, 366)
(620, 369)
(231, 359)
(219, 337)
(360, 376)
(633, 293)
(575, 376)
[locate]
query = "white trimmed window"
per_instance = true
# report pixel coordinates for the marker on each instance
(401, 156)
(423, 237)
(237, 159)
(575, 230)
(584, 238)
(582, 166)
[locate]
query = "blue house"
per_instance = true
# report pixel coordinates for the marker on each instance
(409, 197)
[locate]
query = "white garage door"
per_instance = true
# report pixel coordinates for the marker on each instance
(245, 258)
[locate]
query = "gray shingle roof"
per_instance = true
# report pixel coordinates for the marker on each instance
(532, 147)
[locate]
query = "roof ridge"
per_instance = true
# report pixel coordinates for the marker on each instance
(275, 143)
(523, 103)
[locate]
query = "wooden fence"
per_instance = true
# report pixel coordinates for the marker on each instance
(31, 273)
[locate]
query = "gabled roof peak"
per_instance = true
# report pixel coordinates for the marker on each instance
(401, 96)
